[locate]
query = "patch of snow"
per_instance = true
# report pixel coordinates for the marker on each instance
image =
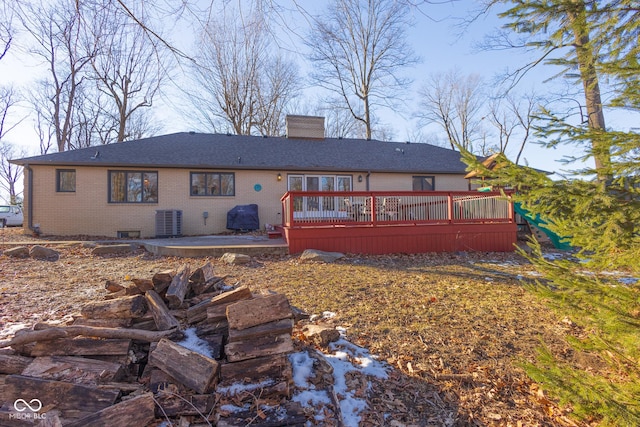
(344, 357)
(233, 408)
(552, 256)
(307, 396)
(622, 277)
(533, 273)
(504, 264)
(348, 357)
(365, 361)
(326, 315)
(312, 398)
(628, 280)
(302, 369)
(193, 342)
(237, 388)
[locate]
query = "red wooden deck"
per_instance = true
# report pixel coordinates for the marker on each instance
(398, 222)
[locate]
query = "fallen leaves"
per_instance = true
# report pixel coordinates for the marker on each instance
(454, 338)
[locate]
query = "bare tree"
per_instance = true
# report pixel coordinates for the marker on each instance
(58, 35)
(8, 100)
(92, 124)
(227, 74)
(454, 103)
(10, 173)
(358, 50)
(513, 119)
(339, 123)
(129, 71)
(239, 83)
(277, 87)
(43, 129)
(6, 32)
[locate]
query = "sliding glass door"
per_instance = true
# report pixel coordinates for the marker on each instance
(319, 206)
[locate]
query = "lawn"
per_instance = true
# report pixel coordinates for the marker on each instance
(456, 327)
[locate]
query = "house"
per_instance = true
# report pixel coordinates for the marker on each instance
(119, 190)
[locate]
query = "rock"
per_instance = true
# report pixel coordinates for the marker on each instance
(17, 252)
(41, 252)
(314, 255)
(321, 335)
(112, 249)
(232, 258)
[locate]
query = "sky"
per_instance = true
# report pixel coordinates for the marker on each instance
(436, 37)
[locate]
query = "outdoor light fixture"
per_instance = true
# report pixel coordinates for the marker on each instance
(279, 177)
(359, 178)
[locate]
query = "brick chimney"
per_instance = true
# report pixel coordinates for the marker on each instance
(305, 127)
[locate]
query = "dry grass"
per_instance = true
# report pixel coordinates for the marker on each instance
(456, 326)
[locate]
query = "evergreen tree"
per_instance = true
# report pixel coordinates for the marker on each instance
(597, 210)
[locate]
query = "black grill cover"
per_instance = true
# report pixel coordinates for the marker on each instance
(243, 218)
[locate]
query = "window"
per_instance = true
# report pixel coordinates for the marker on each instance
(133, 187)
(65, 180)
(424, 183)
(213, 184)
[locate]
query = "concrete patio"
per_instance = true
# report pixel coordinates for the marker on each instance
(216, 245)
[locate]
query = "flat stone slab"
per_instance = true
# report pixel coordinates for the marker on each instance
(112, 249)
(314, 255)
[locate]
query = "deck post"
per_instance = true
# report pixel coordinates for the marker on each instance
(374, 212)
(450, 207)
(283, 203)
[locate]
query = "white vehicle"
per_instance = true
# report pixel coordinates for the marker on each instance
(11, 215)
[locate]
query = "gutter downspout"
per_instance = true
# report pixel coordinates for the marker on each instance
(367, 180)
(30, 196)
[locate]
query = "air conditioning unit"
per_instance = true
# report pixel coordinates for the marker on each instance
(168, 223)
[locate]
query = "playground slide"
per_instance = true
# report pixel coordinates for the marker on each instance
(538, 223)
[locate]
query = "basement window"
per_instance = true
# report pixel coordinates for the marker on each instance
(128, 234)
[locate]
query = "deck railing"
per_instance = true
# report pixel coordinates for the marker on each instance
(316, 208)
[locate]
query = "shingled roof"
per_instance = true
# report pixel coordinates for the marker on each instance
(220, 151)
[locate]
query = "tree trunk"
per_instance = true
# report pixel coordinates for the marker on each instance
(589, 76)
